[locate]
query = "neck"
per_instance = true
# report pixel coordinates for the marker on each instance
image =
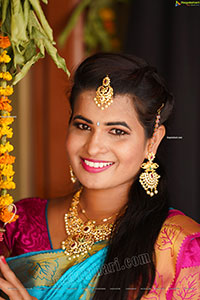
(103, 203)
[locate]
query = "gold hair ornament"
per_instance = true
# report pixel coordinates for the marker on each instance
(104, 94)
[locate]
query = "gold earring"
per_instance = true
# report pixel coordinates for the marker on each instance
(72, 176)
(149, 178)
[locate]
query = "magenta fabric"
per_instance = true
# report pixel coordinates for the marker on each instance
(30, 231)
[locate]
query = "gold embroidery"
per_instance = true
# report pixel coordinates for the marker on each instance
(168, 236)
(188, 285)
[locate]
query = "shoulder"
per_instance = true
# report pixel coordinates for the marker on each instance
(30, 203)
(179, 234)
(183, 224)
(31, 222)
(31, 210)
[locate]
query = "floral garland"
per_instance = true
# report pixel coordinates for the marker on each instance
(6, 160)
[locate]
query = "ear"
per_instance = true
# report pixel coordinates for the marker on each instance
(155, 141)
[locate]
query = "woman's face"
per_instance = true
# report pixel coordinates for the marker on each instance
(106, 148)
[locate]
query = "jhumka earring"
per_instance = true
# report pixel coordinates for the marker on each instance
(149, 178)
(104, 94)
(72, 176)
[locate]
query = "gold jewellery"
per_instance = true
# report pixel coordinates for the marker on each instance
(72, 176)
(104, 94)
(82, 235)
(149, 178)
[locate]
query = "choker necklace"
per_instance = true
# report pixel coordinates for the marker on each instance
(82, 235)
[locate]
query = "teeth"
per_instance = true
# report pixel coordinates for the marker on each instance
(95, 164)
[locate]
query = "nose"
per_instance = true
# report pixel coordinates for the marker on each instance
(96, 144)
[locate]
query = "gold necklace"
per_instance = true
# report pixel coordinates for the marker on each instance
(82, 235)
(103, 220)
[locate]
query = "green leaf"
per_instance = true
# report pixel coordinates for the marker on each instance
(18, 24)
(39, 12)
(26, 68)
(4, 10)
(26, 11)
(59, 61)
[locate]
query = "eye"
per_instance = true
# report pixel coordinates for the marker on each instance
(117, 131)
(81, 126)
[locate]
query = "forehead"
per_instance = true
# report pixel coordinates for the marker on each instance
(122, 108)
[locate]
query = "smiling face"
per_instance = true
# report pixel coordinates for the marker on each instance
(106, 148)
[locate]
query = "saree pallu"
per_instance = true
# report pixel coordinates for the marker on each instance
(49, 275)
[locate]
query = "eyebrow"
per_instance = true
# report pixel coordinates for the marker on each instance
(118, 123)
(121, 123)
(82, 118)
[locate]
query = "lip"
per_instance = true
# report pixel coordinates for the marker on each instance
(95, 170)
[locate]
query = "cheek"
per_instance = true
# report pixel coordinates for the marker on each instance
(70, 145)
(73, 143)
(133, 155)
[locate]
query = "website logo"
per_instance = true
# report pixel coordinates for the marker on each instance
(187, 3)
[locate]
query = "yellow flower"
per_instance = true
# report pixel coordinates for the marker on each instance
(6, 76)
(5, 200)
(7, 184)
(6, 170)
(6, 120)
(6, 130)
(7, 91)
(6, 148)
(4, 57)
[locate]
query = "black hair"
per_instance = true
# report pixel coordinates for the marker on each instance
(136, 231)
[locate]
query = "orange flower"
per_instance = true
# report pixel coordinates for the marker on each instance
(4, 42)
(5, 106)
(6, 215)
(7, 159)
(4, 99)
(107, 14)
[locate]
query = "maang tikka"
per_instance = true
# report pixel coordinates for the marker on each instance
(104, 94)
(149, 178)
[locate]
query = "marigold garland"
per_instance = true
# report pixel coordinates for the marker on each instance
(5, 200)
(6, 76)
(4, 42)
(6, 130)
(4, 57)
(6, 216)
(7, 91)
(6, 160)
(6, 148)
(4, 99)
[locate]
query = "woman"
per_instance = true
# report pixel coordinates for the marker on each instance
(116, 238)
